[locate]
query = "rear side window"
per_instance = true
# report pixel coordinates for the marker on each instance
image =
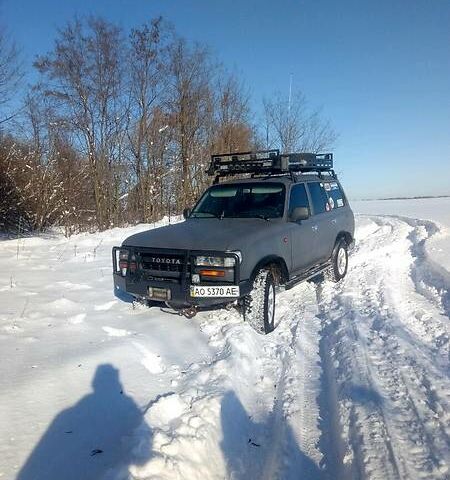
(319, 197)
(336, 197)
(298, 198)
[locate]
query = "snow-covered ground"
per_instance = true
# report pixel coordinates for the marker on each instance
(353, 384)
(436, 210)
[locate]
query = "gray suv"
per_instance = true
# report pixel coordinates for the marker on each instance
(285, 220)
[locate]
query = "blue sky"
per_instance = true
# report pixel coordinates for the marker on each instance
(379, 70)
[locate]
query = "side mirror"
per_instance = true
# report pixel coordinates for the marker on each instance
(186, 212)
(299, 213)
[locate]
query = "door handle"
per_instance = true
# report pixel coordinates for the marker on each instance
(333, 221)
(315, 228)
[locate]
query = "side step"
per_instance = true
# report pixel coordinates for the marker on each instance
(312, 272)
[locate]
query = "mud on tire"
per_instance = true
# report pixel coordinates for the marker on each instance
(259, 305)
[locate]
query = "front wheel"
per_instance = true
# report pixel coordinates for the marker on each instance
(339, 262)
(259, 305)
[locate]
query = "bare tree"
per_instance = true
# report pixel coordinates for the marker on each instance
(10, 75)
(42, 179)
(191, 111)
(293, 126)
(232, 129)
(12, 206)
(147, 134)
(84, 77)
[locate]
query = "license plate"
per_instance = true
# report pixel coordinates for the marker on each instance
(159, 293)
(216, 291)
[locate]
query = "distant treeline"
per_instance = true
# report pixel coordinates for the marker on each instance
(420, 197)
(119, 126)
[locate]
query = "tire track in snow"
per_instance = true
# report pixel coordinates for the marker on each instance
(331, 443)
(339, 465)
(295, 413)
(358, 402)
(394, 421)
(431, 282)
(273, 461)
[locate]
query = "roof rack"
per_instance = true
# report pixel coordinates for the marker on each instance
(269, 162)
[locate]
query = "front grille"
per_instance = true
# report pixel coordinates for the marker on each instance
(160, 262)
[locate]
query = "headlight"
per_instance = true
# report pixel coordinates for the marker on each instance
(203, 261)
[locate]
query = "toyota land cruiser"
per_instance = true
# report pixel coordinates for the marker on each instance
(287, 222)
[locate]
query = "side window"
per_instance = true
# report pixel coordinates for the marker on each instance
(336, 197)
(298, 197)
(318, 197)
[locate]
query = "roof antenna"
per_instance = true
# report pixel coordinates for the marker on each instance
(290, 94)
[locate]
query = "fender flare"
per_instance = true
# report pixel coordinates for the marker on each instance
(346, 236)
(271, 259)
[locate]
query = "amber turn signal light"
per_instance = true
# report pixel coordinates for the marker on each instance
(212, 273)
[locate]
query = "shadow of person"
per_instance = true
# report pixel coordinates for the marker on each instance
(96, 439)
(252, 449)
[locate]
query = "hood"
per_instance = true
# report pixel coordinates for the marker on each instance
(202, 234)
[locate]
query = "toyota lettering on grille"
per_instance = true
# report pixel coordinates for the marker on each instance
(167, 261)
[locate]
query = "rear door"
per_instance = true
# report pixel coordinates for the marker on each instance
(322, 220)
(337, 202)
(302, 233)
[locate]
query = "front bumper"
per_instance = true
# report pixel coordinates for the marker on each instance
(138, 282)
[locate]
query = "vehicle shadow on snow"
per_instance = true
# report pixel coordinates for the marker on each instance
(248, 446)
(97, 438)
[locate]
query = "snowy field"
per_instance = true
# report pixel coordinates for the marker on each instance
(436, 210)
(353, 384)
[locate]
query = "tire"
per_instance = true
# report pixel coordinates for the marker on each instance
(259, 305)
(339, 262)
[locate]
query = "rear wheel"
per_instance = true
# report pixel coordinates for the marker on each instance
(339, 262)
(259, 305)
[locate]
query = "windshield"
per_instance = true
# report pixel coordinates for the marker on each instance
(242, 200)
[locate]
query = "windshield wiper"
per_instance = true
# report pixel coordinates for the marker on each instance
(263, 217)
(210, 215)
(256, 215)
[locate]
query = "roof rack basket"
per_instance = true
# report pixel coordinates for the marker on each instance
(269, 162)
